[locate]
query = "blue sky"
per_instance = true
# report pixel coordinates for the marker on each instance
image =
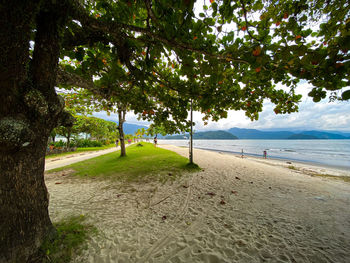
(323, 115)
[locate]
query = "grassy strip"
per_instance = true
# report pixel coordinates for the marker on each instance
(344, 178)
(79, 150)
(336, 177)
(69, 241)
(141, 164)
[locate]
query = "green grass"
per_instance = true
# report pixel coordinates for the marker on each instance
(71, 236)
(140, 164)
(79, 150)
(292, 167)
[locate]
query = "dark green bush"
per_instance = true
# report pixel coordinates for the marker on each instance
(83, 143)
(60, 144)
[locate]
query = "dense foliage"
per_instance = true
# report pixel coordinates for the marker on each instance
(98, 129)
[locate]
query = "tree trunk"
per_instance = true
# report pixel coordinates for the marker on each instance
(191, 137)
(24, 201)
(121, 117)
(30, 109)
(68, 138)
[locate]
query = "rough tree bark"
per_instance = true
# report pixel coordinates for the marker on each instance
(68, 137)
(29, 110)
(121, 117)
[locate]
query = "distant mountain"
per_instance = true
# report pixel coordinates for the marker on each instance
(252, 134)
(130, 128)
(209, 135)
(345, 134)
(324, 135)
(257, 134)
(301, 136)
(281, 135)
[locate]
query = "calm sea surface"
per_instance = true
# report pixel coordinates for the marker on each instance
(325, 152)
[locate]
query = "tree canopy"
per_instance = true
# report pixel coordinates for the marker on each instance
(156, 55)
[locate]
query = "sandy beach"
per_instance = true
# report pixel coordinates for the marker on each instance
(234, 210)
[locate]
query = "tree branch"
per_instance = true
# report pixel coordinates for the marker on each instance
(247, 22)
(65, 78)
(117, 32)
(150, 12)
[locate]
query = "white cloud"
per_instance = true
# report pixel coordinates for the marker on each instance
(323, 115)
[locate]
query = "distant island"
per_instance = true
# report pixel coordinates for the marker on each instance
(209, 135)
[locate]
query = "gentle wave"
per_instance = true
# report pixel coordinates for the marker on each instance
(326, 152)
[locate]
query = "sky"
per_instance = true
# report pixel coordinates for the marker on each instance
(324, 115)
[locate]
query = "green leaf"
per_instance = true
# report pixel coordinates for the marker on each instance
(345, 95)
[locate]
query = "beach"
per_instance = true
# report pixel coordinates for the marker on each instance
(234, 210)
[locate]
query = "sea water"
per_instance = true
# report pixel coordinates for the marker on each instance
(334, 153)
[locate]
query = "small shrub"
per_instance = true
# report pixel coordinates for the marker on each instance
(60, 144)
(71, 235)
(192, 166)
(83, 143)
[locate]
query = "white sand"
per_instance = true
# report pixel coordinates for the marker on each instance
(270, 214)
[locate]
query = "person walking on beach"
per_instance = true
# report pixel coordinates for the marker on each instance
(265, 154)
(155, 141)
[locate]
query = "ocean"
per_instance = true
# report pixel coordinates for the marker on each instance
(334, 153)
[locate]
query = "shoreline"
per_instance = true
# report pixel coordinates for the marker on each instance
(282, 161)
(340, 169)
(328, 153)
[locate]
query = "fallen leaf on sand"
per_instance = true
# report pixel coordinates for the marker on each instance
(211, 194)
(164, 217)
(234, 192)
(238, 178)
(119, 195)
(185, 186)
(222, 202)
(58, 183)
